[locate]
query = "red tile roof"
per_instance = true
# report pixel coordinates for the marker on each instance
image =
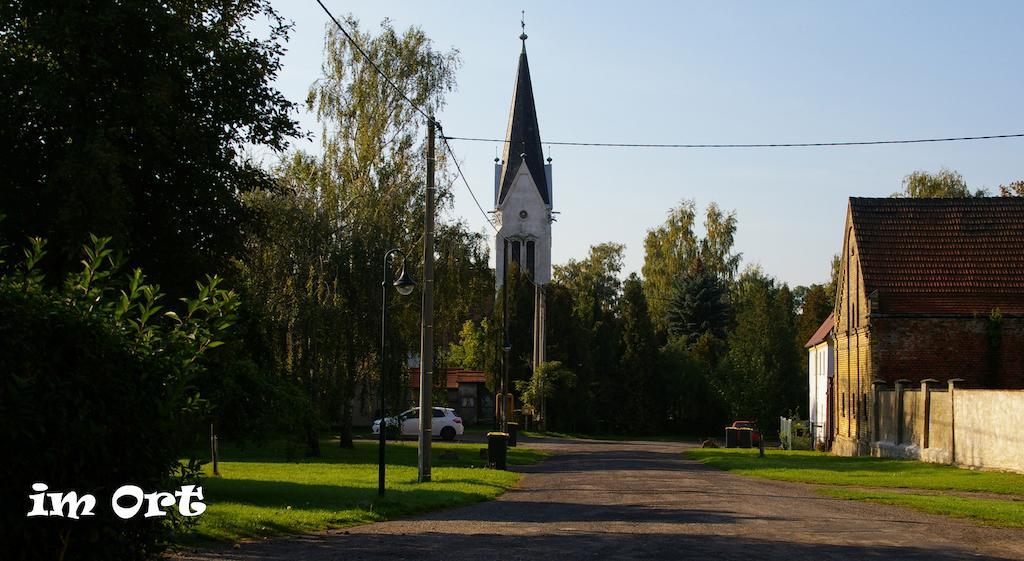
(455, 377)
(942, 256)
(824, 330)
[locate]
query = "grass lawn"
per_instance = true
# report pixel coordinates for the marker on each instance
(824, 469)
(985, 511)
(261, 493)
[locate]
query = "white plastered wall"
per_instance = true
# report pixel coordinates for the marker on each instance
(536, 225)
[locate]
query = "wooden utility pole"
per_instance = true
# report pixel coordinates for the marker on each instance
(427, 316)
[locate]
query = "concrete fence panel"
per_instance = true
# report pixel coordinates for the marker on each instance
(940, 420)
(886, 418)
(989, 428)
(911, 414)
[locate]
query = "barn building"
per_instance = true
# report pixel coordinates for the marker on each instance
(929, 289)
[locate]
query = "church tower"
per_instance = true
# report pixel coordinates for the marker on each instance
(522, 187)
(522, 200)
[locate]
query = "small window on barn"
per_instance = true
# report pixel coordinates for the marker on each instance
(842, 405)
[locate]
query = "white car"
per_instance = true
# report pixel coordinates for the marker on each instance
(446, 423)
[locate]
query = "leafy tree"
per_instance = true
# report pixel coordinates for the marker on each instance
(582, 309)
(716, 249)
(546, 381)
(474, 349)
(1012, 189)
(596, 280)
(463, 288)
(945, 183)
(291, 281)
(668, 251)
(671, 249)
(636, 379)
(477, 349)
(374, 164)
(314, 263)
(760, 376)
(833, 281)
(130, 119)
(815, 305)
(686, 390)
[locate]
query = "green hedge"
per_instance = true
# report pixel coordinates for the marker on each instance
(95, 388)
(82, 411)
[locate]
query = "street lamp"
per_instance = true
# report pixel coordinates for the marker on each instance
(404, 286)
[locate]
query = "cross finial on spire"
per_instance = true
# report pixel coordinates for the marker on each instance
(523, 36)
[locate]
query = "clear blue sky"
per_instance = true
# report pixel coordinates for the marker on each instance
(716, 72)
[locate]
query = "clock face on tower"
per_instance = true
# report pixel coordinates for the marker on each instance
(523, 214)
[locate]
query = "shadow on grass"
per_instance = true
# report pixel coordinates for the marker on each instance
(467, 455)
(300, 496)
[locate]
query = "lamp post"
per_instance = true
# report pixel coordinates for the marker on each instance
(404, 286)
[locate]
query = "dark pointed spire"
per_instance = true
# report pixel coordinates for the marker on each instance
(523, 135)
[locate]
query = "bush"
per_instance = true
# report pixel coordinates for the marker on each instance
(94, 381)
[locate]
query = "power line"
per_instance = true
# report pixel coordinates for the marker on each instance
(765, 145)
(464, 180)
(374, 64)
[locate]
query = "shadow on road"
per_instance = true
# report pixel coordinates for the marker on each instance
(584, 545)
(637, 459)
(554, 512)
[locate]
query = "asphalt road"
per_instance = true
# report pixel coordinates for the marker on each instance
(642, 500)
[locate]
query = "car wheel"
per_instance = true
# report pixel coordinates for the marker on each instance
(448, 433)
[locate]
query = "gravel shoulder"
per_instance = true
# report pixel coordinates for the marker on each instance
(642, 500)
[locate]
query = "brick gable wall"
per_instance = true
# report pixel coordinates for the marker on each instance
(944, 348)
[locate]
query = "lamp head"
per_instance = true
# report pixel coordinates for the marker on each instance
(404, 283)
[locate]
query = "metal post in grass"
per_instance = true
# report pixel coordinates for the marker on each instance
(213, 450)
(404, 285)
